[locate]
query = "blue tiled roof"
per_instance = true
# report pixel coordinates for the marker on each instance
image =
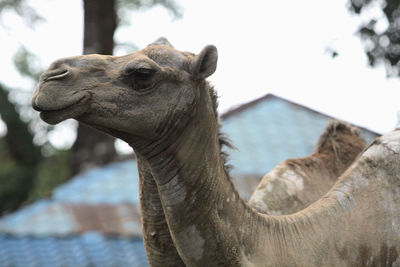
(113, 188)
(90, 249)
(49, 232)
(41, 218)
(271, 130)
(53, 218)
(113, 184)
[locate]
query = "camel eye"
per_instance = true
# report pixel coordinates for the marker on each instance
(142, 74)
(140, 79)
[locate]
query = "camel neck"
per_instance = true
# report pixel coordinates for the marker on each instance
(204, 212)
(159, 246)
(209, 224)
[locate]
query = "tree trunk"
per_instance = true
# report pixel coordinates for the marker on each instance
(93, 148)
(100, 24)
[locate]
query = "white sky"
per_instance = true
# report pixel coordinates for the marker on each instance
(264, 47)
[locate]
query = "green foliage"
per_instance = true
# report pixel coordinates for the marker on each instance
(52, 171)
(22, 184)
(381, 46)
(15, 183)
(170, 5)
(126, 6)
(19, 157)
(28, 64)
(18, 140)
(25, 11)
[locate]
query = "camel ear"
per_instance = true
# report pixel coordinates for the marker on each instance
(205, 63)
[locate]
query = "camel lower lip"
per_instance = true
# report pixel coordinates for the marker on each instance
(71, 111)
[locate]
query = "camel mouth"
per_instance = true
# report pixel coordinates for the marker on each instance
(71, 111)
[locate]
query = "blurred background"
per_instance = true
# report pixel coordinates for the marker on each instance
(68, 194)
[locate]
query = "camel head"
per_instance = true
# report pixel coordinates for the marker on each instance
(136, 94)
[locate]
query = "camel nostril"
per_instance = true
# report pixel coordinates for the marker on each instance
(34, 106)
(55, 75)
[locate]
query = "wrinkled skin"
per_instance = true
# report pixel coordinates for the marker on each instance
(157, 100)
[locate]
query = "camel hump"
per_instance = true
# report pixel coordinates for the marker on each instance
(296, 183)
(339, 135)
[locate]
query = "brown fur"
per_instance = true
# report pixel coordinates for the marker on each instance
(224, 141)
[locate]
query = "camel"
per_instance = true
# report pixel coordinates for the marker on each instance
(158, 100)
(296, 183)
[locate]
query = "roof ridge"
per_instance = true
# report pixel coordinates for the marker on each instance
(242, 107)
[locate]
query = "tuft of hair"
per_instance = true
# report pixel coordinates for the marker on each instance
(330, 134)
(223, 139)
